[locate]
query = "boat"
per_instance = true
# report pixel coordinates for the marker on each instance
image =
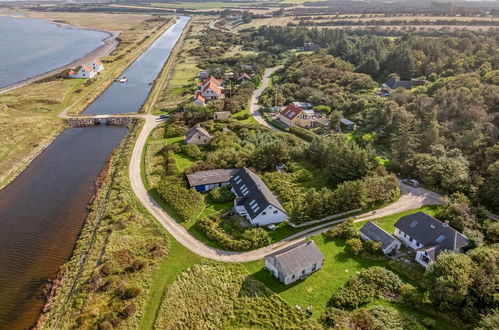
(121, 80)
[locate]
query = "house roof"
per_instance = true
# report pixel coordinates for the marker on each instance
(375, 233)
(394, 83)
(71, 72)
(196, 129)
(254, 195)
(213, 86)
(199, 97)
(295, 258)
(98, 62)
(435, 235)
(244, 76)
(303, 105)
(345, 121)
(202, 178)
(291, 111)
(86, 67)
(213, 80)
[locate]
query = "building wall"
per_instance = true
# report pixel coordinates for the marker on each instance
(412, 243)
(269, 215)
(419, 258)
(395, 245)
(305, 272)
(222, 115)
(198, 139)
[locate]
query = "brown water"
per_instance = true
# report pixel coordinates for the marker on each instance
(41, 214)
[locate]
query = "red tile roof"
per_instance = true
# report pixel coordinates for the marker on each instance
(86, 67)
(213, 86)
(291, 111)
(214, 80)
(199, 97)
(98, 62)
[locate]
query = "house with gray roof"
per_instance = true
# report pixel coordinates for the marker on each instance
(197, 135)
(295, 262)
(254, 200)
(347, 125)
(207, 180)
(371, 231)
(428, 236)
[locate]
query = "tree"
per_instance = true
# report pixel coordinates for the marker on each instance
(448, 280)
(354, 245)
(268, 156)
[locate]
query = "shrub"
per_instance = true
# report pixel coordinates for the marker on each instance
(128, 311)
(193, 151)
(185, 202)
(128, 292)
(303, 133)
(173, 130)
(365, 287)
(257, 236)
(373, 247)
(355, 246)
(220, 195)
(344, 230)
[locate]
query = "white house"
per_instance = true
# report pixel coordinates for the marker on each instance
(254, 200)
(85, 72)
(371, 231)
(428, 236)
(97, 65)
(296, 262)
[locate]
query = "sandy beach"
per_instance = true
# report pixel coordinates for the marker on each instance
(110, 44)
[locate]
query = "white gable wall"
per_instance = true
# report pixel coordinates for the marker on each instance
(269, 216)
(409, 241)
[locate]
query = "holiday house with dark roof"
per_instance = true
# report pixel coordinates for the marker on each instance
(254, 200)
(197, 135)
(428, 236)
(207, 180)
(371, 231)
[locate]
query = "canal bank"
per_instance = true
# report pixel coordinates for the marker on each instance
(29, 295)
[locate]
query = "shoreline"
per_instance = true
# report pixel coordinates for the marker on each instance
(110, 44)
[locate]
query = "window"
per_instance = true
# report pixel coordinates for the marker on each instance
(264, 213)
(314, 267)
(275, 211)
(410, 240)
(293, 277)
(303, 272)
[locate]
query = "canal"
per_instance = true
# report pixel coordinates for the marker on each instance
(43, 210)
(130, 96)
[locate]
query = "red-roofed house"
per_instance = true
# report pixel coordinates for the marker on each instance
(292, 115)
(289, 114)
(199, 99)
(85, 72)
(244, 77)
(211, 91)
(97, 65)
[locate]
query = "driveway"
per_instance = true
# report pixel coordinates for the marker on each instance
(254, 106)
(412, 198)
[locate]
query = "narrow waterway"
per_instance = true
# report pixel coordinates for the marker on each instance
(130, 96)
(43, 210)
(41, 214)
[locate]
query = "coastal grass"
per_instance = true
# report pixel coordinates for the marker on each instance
(211, 295)
(117, 257)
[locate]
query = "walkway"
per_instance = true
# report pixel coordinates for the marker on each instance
(254, 106)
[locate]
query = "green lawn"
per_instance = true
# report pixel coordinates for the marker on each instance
(249, 120)
(339, 265)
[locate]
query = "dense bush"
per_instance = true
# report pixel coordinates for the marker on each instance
(365, 287)
(354, 246)
(250, 238)
(220, 195)
(344, 230)
(185, 202)
(174, 130)
(192, 151)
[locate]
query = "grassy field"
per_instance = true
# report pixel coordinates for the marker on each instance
(183, 77)
(204, 5)
(28, 115)
(219, 296)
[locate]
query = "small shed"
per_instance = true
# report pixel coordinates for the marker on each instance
(347, 125)
(371, 231)
(221, 115)
(295, 262)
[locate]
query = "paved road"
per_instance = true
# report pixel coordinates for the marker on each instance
(254, 106)
(412, 198)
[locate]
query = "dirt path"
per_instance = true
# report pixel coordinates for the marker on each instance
(412, 198)
(254, 106)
